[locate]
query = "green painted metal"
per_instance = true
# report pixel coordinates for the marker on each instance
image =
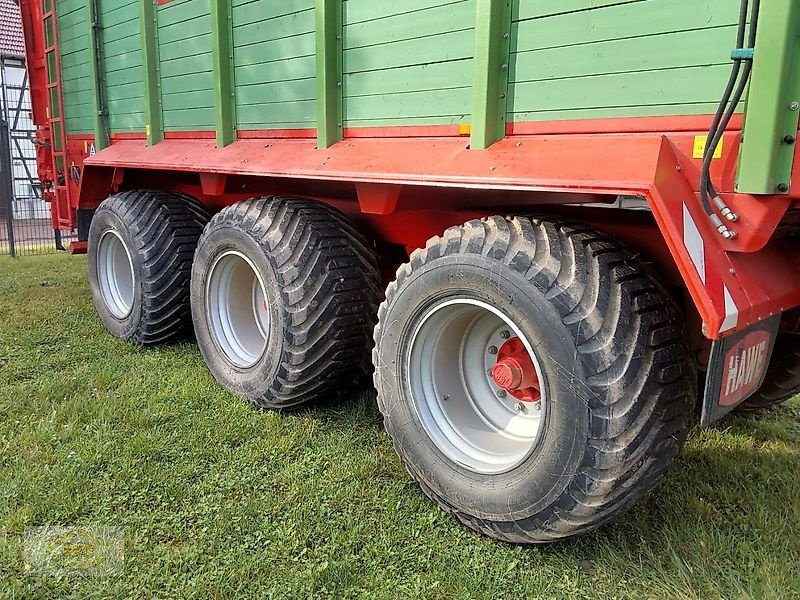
(364, 11)
(329, 72)
(228, 66)
(185, 55)
(683, 86)
(765, 160)
(77, 89)
(95, 77)
(152, 88)
(408, 62)
(490, 86)
(580, 59)
(275, 80)
(444, 106)
(222, 59)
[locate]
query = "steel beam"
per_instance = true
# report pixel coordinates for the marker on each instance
(329, 72)
(154, 127)
(96, 76)
(492, 64)
(222, 57)
(773, 103)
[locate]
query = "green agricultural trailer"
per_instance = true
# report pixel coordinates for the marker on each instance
(555, 232)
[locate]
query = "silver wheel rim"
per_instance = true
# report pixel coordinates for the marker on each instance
(115, 274)
(237, 309)
(464, 412)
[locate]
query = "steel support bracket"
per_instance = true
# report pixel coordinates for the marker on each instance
(771, 117)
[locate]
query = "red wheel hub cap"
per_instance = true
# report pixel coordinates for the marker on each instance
(515, 373)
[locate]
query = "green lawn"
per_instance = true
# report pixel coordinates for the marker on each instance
(219, 499)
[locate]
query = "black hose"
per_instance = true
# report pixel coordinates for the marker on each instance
(733, 104)
(726, 96)
(740, 33)
(720, 122)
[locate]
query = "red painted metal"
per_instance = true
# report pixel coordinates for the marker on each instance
(378, 198)
(202, 134)
(53, 154)
(514, 372)
(213, 184)
(268, 134)
(693, 123)
(760, 283)
(31, 12)
(701, 123)
(78, 247)
(408, 131)
(429, 175)
(128, 135)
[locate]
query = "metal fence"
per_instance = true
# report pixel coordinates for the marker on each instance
(25, 223)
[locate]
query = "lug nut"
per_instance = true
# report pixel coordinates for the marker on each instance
(519, 407)
(492, 349)
(505, 334)
(501, 393)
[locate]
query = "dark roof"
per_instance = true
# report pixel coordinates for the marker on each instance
(11, 41)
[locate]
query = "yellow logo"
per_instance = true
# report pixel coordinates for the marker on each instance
(78, 549)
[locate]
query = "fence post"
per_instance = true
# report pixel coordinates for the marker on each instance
(6, 187)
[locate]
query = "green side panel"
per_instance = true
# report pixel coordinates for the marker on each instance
(579, 59)
(274, 65)
(76, 85)
(408, 62)
(186, 73)
(122, 65)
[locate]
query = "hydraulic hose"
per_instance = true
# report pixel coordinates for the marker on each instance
(726, 96)
(731, 98)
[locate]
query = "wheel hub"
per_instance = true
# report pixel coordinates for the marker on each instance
(115, 274)
(515, 373)
(474, 382)
(237, 309)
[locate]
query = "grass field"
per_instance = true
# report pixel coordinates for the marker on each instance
(218, 499)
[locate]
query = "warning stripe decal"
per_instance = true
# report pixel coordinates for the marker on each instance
(695, 246)
(694, 243)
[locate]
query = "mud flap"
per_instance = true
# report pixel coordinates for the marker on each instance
(737, 368)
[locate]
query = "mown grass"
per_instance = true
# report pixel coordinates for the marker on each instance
(219, 500)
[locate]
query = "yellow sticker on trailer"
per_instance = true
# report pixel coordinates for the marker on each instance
(700, 147)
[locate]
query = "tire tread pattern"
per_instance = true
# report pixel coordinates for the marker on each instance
(630, 340)
(165, 227)
(329, 282)
(782, 381)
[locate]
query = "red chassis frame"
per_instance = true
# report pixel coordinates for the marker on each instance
(408, 187)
